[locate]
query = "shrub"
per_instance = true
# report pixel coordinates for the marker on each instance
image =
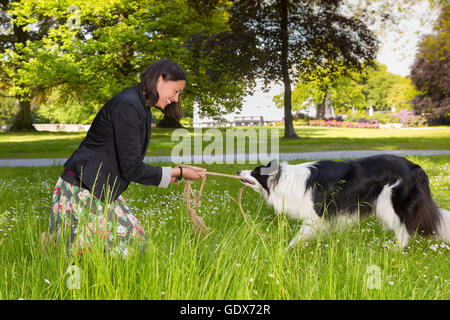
(300, 122)
(344, 124)
(385, 118)
(410, 119)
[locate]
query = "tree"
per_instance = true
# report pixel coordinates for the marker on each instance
(281, 40)
(401, 93)
(370, 87)
(217, 89)
(376, 87)
(13, 37)
(95, 49)
(430, 73)
(348, 93)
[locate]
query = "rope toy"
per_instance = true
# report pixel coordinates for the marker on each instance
(199, 225)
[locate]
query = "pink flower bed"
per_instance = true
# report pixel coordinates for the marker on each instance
(343, 124)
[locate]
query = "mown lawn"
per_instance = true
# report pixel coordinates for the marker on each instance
(232, 261)
(61, 145)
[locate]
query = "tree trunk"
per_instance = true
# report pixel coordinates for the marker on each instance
(289, 131)
(168, 122)
(22, 117)
(320, 115)
(321, 109)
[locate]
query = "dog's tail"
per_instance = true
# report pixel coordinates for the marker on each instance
(414, 202)
(443, 230)
(437, 218)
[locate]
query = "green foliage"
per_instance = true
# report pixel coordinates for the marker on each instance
(372, 87)
(278, 41)
(381, 117)
(95, 49)
(168, 123)
(384, 89)
(7, 105)
(348, 93)
(401, 93)
(70, 112)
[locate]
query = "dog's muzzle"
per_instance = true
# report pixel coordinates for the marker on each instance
(244, 180)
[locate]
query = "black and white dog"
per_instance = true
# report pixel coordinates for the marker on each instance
(325, 193)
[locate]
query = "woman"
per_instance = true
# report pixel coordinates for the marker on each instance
(87, 206)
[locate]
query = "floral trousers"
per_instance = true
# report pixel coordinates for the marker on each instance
(84, 221)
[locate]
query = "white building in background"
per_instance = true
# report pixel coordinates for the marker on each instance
(258, 109)
(249, 115)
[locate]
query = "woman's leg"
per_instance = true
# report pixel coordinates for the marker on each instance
(85, 221)
(128, 230)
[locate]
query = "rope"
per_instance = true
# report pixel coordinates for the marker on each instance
(199, 225)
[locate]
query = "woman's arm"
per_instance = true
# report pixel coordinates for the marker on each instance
(188, 174)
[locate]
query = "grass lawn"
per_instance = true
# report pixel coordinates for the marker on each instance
(61, 145)
(233, 261)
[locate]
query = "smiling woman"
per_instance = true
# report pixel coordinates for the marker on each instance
(110, 157)
(163, 83)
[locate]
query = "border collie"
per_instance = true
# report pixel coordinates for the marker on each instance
(327, 193)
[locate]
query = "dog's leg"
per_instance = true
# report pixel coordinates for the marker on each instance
(344, 221)
(389, 219)
(309, 229)
(402, 236)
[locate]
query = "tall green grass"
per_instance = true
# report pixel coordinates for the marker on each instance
(232, 261)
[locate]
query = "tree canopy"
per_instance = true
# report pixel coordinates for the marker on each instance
(372, 87)
(91, 50)
(280, 40)
(431, 72)
(74, 55)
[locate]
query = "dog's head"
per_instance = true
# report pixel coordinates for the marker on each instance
(262, 179)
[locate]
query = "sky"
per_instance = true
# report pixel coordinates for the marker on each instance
(397, 51)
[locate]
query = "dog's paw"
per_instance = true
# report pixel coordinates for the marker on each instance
(295, 242)
(292, 243)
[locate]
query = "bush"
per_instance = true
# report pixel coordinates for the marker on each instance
(186, 121)
(71, 112)
(362, 120)
(7, 106)
(300, 122)
(410, 119)
(301, 119)
(385, 118)
(381, 117)
(336, 118)
(167, 122)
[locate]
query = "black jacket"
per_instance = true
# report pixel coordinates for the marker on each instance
(112, 153)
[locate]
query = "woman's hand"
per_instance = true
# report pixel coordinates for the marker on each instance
(188, 174)
(191, 174)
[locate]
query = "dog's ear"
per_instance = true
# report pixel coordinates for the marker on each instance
(271, 168)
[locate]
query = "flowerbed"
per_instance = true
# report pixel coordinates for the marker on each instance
(372, 124)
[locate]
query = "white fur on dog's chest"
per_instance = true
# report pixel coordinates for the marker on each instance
(300, 208)
(289, 195)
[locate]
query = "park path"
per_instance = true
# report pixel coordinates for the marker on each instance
(342, 154)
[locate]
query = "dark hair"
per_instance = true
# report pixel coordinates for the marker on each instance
(170, 71)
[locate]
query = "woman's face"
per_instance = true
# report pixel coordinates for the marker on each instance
(168, 91)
